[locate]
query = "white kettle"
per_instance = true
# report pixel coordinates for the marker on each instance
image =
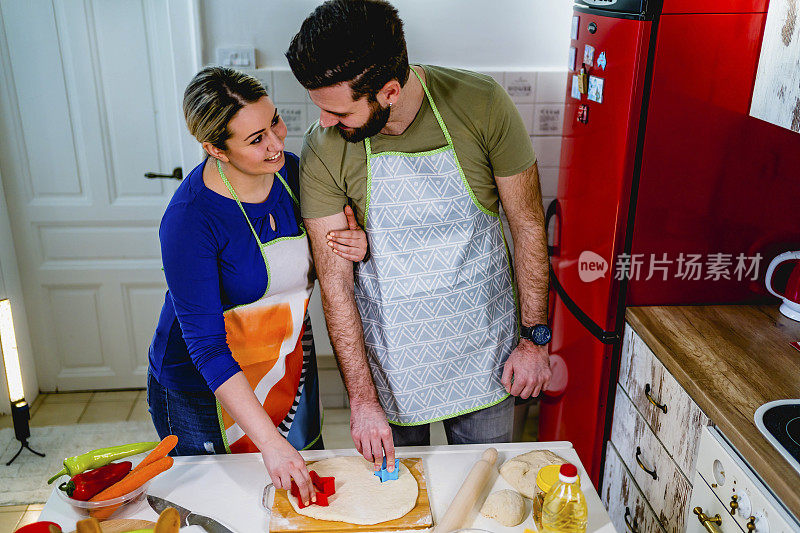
(791, 294)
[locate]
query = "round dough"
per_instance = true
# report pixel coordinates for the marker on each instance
(505, 506)
(360, 496)
(520, 472)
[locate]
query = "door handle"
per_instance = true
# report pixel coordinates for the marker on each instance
(661, 406)
(552, 210)
(708, 521)
(633, 528)
(641, 464)
(177, 174)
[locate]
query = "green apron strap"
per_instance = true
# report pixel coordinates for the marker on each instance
(235, 197)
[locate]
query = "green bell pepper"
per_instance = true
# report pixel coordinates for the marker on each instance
(101, 457)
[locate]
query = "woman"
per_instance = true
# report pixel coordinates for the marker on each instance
(232, 363)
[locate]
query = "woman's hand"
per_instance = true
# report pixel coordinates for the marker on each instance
(350, 243)
(284, 463)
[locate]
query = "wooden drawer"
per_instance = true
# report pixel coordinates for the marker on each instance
(679, 421)
(667, 489)
(626, 505)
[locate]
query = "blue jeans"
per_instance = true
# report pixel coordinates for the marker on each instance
(490, 425)
(190, 415)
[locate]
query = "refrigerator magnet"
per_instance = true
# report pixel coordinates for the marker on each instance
(595, 93)
(573, 54)
(576, 20)
(601, 60)
(588, 55)
(575, 90)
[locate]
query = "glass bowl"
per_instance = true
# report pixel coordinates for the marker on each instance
(111, 508)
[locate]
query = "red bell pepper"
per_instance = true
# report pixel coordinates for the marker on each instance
(83, 486)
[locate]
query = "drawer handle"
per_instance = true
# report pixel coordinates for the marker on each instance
(641, 464)
(633, 528)
(708, 521)
(661, 406)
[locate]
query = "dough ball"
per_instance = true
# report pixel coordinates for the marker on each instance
(505, 506)
(520, 472)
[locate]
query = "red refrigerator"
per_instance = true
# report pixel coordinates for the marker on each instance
(669, 192)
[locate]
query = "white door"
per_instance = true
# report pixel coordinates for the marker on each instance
(89, 101)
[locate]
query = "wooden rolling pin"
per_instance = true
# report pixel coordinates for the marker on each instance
(468, 494)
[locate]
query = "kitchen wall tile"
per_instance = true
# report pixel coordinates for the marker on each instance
(264, 75)
(336, 436)
(547, 119)
(499, 77)
(312, 113)
(548, 177)
(548, 150)
(295, 117)
(551, 87)
(293, 144)
(521, 86)
(526, 111)
(287, 88)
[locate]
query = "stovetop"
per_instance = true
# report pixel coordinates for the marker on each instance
(779, 421)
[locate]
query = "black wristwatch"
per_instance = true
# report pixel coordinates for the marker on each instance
(539, 334)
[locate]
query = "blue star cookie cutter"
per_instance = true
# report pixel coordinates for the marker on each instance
(386, 475)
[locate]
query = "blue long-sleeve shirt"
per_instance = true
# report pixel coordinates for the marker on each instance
(212, 263)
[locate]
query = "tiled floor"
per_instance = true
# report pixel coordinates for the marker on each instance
(99, 407)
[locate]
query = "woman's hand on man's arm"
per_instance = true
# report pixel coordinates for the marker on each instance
(351, 243)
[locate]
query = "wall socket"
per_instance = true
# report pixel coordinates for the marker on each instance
(236, 56)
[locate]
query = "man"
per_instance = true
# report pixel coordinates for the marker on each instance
(426, 328)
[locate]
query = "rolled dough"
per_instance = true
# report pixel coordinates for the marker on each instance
(360, 496)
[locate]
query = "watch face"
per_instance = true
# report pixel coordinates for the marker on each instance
(541, 334)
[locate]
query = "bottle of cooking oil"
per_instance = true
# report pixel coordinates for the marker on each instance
(564, 509)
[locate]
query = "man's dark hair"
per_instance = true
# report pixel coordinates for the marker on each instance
(355, 41)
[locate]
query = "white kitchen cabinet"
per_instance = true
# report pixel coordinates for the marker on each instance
(655, 431)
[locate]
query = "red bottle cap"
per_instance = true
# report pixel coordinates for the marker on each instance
(568, 473)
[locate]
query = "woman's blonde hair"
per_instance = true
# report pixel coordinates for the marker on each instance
(213, 97)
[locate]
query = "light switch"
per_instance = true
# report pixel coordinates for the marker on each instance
(237, 56)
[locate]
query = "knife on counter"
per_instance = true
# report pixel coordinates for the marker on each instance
(188, 518)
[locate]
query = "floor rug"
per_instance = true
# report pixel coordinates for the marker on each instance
(25, 480)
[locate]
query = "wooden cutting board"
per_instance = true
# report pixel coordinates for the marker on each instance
(120, 525)
(286, 519)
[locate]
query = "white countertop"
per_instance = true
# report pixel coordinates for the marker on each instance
(229, 488)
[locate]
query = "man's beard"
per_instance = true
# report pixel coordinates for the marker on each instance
(378, 117)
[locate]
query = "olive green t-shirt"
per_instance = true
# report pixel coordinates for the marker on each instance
(487, 131)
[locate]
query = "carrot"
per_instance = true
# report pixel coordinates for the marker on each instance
(129, 483)
(163, 448)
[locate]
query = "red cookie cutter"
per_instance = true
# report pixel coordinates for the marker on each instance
(324, 486)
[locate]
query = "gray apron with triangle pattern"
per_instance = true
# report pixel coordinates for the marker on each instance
(436, 296)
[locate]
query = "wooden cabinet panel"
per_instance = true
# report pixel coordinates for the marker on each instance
(626, 505)
(676, 420)
(663, 484)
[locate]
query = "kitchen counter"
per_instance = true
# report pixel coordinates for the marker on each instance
(731, 359)
(229, 488)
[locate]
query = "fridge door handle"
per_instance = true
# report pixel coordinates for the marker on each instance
(552, 210)
(604, 336)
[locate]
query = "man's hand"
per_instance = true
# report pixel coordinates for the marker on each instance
(527, 370)
(372, 434)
